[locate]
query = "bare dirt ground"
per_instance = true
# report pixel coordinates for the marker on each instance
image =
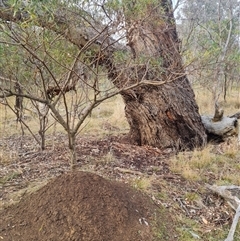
(83, 206)
(74, 202)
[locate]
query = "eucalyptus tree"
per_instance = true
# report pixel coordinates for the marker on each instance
(134, 43)
(210, 31)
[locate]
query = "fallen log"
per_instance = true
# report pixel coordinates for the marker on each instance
(227, 126)
(218, 126)
(232, 230)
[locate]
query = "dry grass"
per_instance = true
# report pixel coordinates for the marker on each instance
(191, 165)
(8, 124)
(107, 118)
(8, 157)
(14, 197)
(142, 183)
(206, 102)
(215, 164)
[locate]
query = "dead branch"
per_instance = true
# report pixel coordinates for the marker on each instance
(218, 126)
(231, 194)
(234, 225)
(128, 171)
(18, 102)
(218, 113)
(225, 127)
(4, 93)
(236, 115)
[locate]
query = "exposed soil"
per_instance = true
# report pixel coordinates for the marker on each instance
(84, 206)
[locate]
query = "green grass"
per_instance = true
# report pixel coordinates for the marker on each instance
(142, 183)
(11, 176)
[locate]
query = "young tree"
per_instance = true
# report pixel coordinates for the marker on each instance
(137, 44)
(53, 79)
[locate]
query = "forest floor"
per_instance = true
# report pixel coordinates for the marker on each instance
(197, 213)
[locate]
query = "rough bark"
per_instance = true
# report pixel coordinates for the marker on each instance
(72, 150)
(165, 115)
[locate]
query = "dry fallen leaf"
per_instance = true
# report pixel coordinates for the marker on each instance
(204, 220)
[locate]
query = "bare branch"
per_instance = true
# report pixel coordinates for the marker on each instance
(232, 230)
(232, 195)
(8, 93)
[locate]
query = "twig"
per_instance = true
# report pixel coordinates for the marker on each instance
(182, 206)
(128, 171)
(236, 115)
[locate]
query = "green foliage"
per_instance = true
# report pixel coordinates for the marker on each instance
(18, 63)
(121, 56)
(31, 10)
(211, 40)
(133, 9)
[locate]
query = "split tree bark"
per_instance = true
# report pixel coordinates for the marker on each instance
(163, 115)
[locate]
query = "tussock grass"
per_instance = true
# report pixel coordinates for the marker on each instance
(107, 159)
(7, 156)
(142, 183)
(218, 164)
(192, 165)
(107, 118)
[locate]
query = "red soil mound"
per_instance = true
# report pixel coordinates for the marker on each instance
(84, 206)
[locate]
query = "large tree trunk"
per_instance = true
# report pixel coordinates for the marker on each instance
(164, 115)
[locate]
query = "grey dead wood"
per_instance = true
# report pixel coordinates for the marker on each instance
(232, 195)
(219, 125)
(225, 127)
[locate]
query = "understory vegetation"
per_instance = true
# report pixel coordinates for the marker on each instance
(215, 164)
(113, 88)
